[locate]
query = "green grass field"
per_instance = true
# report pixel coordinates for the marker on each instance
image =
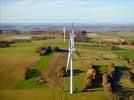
(15, 59)
(125, 52)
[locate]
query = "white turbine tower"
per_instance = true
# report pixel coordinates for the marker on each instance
(64, 31)
(70, 59)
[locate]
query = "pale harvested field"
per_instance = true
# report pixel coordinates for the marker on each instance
(48, 94)
(12, 66)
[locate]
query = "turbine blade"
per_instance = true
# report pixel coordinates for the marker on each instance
(68, 60)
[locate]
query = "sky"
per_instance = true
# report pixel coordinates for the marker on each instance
(67, 11)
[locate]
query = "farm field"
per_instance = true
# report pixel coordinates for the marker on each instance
(66, 49)
(14, 60)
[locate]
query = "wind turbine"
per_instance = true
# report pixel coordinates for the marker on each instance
(64, 31)
(70, 59)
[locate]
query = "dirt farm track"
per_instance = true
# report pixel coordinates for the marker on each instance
(58, 61)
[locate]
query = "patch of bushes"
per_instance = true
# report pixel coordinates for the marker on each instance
(44, 50)
(30, 73)
(4, 44)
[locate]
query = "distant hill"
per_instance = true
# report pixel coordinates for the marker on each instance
(59, 26)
